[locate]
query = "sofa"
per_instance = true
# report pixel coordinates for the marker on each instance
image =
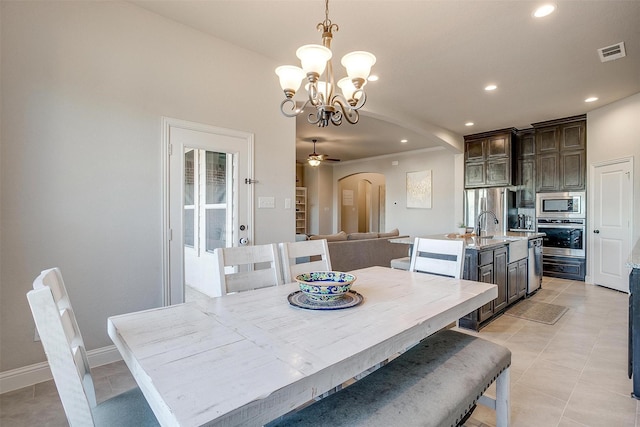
(360, 250)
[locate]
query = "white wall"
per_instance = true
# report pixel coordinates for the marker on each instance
(318, 180)
(443, 215)
(613, 132)
(84, 87)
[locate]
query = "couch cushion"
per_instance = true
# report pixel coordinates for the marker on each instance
(362, 236)
(393, 233)
(330, 237)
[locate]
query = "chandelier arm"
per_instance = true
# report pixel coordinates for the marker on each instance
(350, 114)
(293, 110)
(316, 120)
(336, 118)
(361, 100)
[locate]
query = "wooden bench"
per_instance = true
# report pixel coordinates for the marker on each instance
(436, 383)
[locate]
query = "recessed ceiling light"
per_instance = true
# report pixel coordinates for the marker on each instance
(469, 124)
(404, 141)
(544, 10)
(491, 87)
(591, 99)
(373, 78)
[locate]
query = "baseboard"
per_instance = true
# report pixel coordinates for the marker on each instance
(39, 372)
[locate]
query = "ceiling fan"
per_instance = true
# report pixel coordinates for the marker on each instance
(314, 158)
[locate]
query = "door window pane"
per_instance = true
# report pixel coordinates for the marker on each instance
(189, 232)
(189, 198)
(216, 228)
(189, 177)
(216, 166)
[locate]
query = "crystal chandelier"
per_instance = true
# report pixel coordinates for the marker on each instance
(331, 107)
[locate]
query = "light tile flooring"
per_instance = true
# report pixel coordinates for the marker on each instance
(570, 374)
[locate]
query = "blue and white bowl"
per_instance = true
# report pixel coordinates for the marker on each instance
(325, 285)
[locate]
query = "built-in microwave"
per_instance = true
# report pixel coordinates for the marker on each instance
(561, 205)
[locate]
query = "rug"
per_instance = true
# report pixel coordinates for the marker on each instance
(541, 312)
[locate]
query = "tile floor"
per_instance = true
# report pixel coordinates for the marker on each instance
(570, 374)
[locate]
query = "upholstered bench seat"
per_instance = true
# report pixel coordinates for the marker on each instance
(436, 383)
(401, 263)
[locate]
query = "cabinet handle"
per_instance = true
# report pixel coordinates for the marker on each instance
(596, 231)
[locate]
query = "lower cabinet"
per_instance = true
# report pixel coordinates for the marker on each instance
(490, 266)
(517, 276)
(564, 267)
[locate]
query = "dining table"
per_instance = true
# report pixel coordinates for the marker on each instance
(250, 357)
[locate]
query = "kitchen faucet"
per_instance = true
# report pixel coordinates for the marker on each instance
(478, 227)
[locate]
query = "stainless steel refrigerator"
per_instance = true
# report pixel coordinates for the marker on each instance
(499, 200)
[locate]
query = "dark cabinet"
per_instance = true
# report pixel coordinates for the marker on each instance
(500, 278)
(561, 154)
(516, 280)
(526, 169)
(523, 277)
(485, 275)
(512, 282)
(488, 266)
(488, 159)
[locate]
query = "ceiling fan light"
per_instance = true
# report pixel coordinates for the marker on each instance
(313, 162)
(358, 64)
(314, 58)
(290, 78)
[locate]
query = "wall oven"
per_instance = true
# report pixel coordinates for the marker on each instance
(561, 205)
(564, 236)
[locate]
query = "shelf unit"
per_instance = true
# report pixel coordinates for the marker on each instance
(301, 210)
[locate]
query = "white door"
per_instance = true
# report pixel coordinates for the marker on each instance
(611, 223)
(208, 202)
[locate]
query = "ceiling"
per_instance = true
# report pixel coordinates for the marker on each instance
(434, 59)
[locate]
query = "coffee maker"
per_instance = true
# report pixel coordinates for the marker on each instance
(521, 222)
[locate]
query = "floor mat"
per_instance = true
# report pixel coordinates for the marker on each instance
(541, 312)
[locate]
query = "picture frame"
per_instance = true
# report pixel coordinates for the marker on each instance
(419, 189)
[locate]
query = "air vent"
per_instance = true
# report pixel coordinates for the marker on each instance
(611, 53)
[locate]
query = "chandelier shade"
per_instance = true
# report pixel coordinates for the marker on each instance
(358, 64)
(318, 70)
(290, 77)
(313, 58)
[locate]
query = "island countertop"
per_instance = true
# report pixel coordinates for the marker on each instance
(483, 242)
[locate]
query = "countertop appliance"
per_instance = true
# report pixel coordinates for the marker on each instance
(561, 205)
(501, 201)
(535, 265)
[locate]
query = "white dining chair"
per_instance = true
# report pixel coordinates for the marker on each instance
(243, 268)
(304, 256)
(436, 256)
(67, 357)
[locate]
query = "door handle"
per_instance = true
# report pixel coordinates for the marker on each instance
(596, 231)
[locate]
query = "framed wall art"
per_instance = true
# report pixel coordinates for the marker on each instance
(419, 189)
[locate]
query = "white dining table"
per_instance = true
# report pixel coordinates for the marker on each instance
(247, 358)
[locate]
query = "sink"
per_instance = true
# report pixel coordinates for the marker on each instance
(518, 249)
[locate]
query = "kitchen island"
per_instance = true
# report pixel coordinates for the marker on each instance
(633, 263)
(501, 259)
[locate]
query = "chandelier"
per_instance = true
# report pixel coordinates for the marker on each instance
(331, 107)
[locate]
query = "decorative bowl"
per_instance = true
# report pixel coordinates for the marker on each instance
(325, 285)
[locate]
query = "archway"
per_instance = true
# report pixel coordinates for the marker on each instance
(362, 202)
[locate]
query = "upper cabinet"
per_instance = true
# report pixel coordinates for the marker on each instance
(526, 169)
(561, 154)
(488, 159)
